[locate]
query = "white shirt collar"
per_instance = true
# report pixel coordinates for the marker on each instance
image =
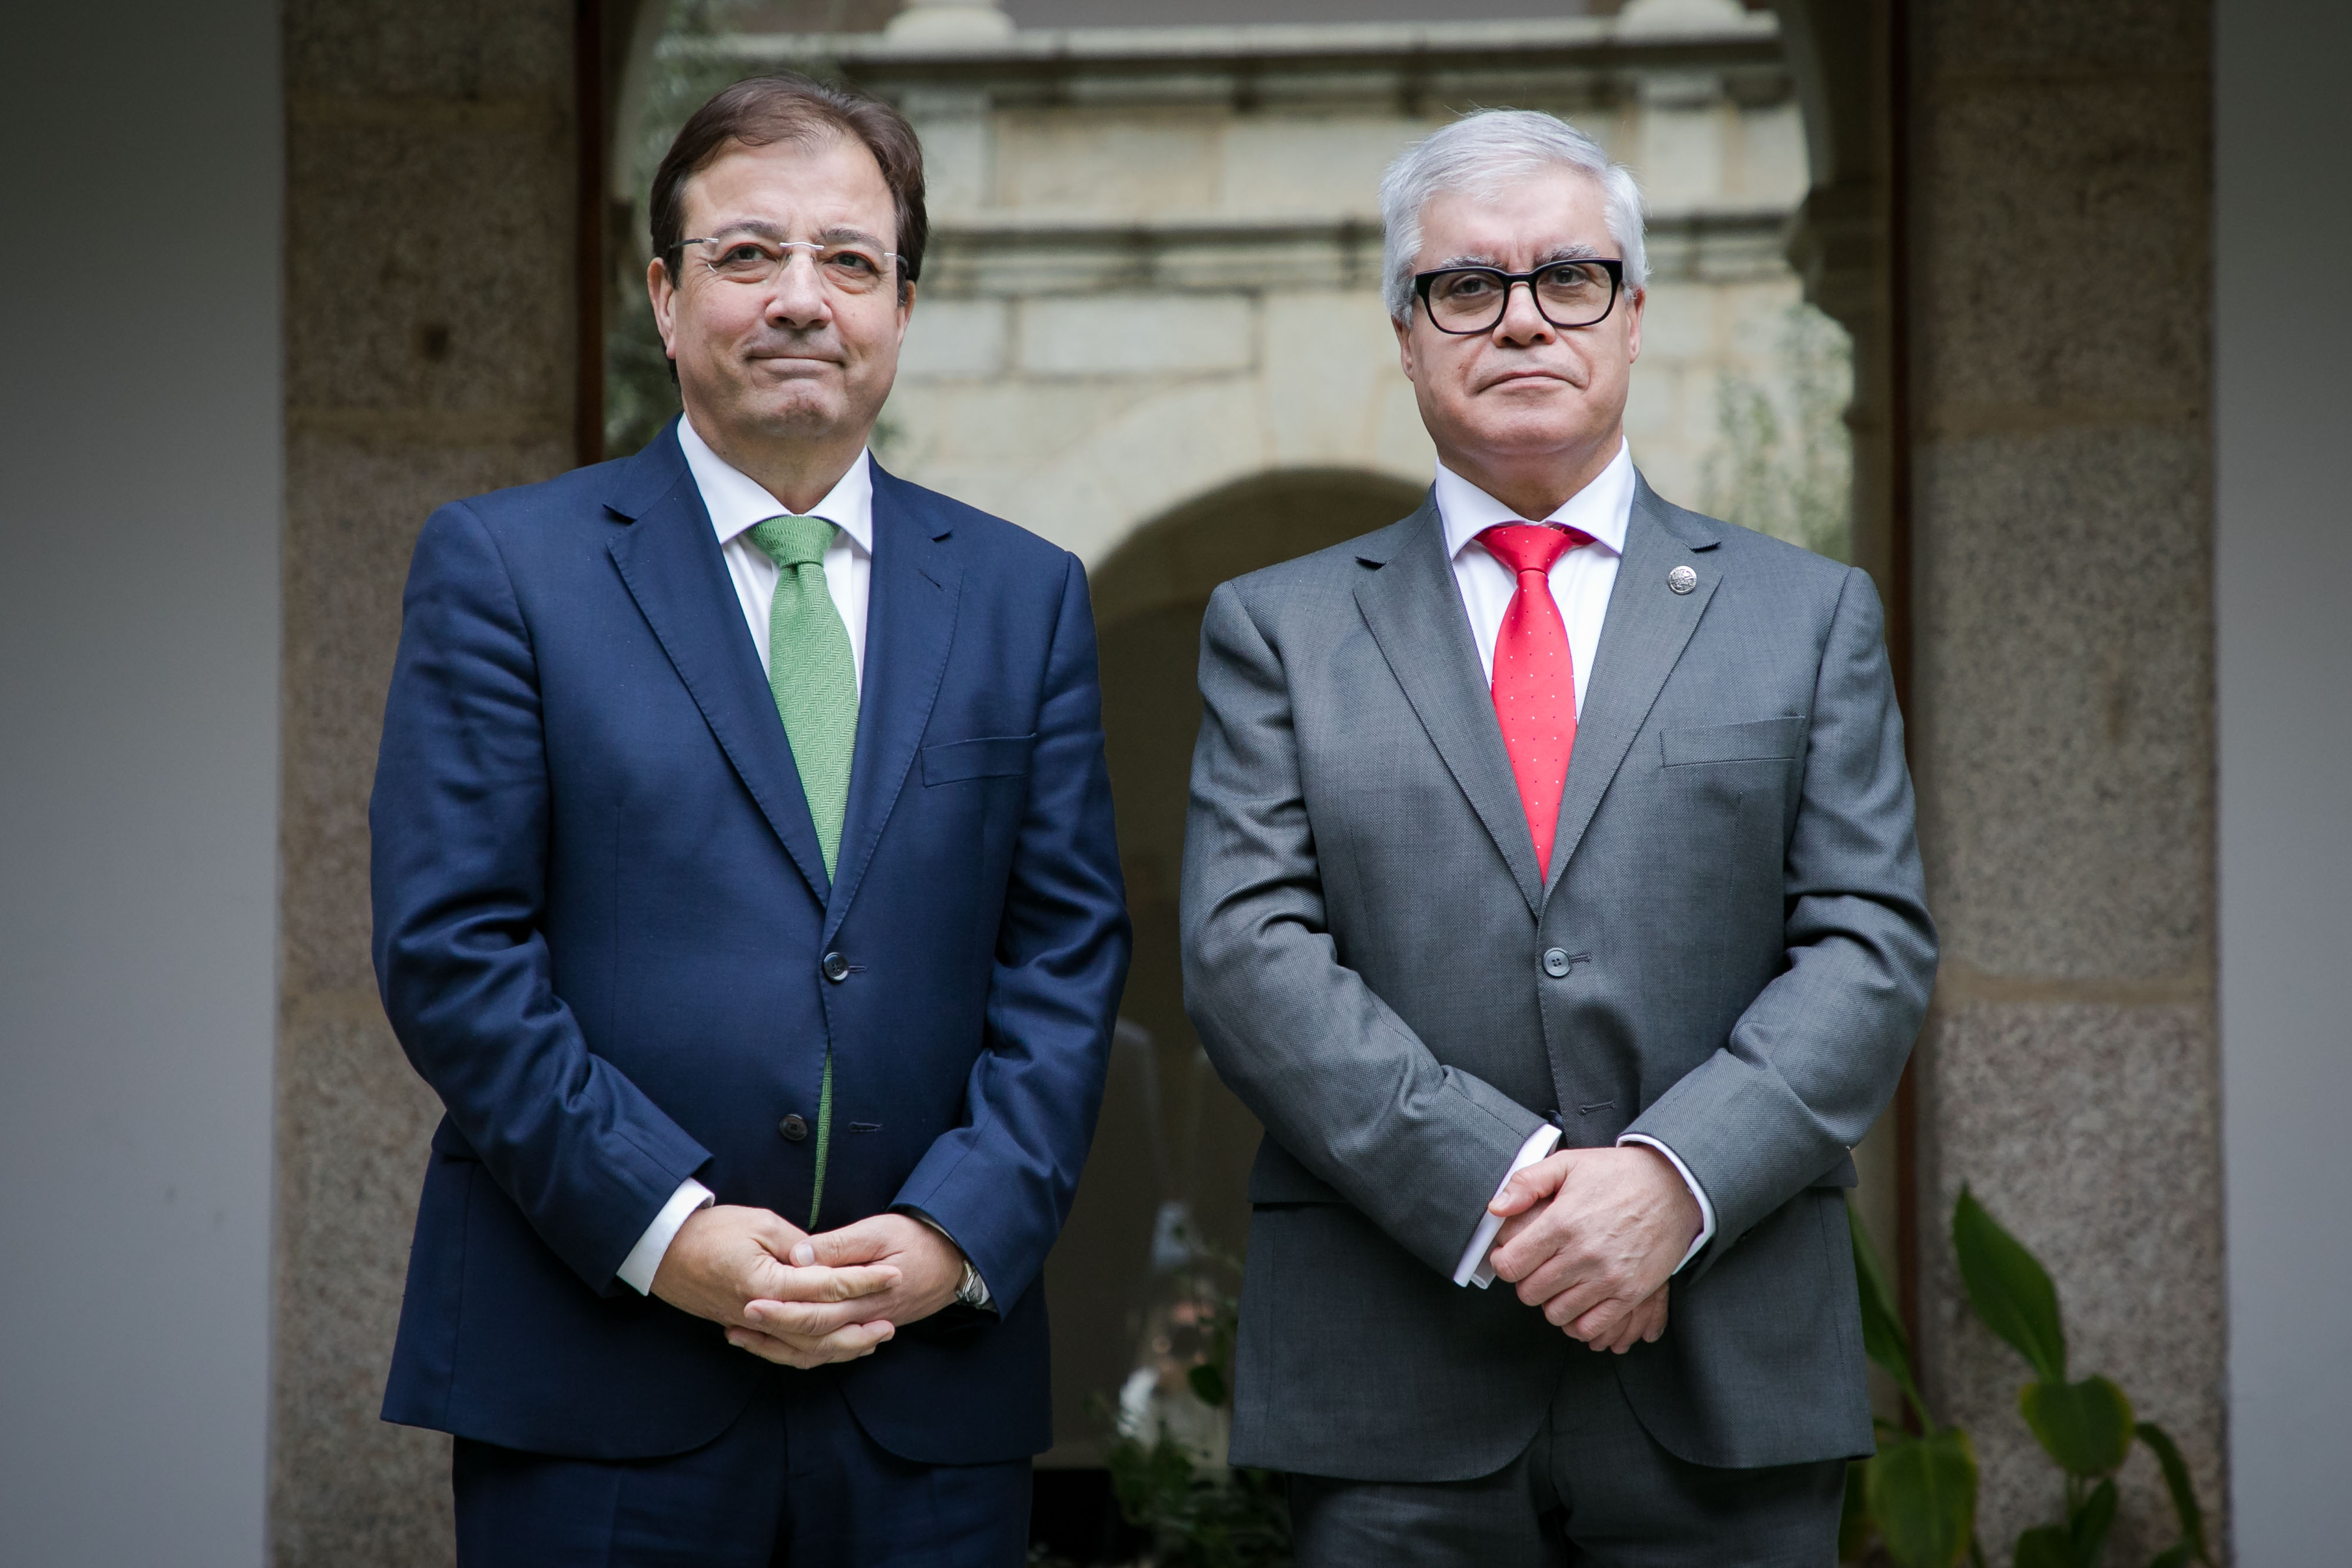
(1601, 509)
(736, 501)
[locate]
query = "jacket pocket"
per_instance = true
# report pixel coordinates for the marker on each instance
(1759, 740)
(989, 757)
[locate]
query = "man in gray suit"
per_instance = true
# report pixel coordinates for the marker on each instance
(1553, 818)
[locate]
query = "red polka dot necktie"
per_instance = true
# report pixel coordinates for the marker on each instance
(1535, 673)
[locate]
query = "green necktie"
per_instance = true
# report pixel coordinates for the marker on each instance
(810, 671)
(813, 678)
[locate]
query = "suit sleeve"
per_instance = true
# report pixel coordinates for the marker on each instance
(459, 827)
(1815, 1058)
(1341, 1082)
(1000, 1185)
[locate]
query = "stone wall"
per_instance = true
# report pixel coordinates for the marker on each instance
(430, 354)
(2063, 704)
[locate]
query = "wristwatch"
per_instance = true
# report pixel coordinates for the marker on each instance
(971, 1289)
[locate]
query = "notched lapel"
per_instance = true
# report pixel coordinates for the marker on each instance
(670, 562)
(910, 619)
(1414, 610)
(1642, 636)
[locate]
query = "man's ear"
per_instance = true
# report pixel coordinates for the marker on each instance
(663, 296)
(1634, 301)
(1403, 330)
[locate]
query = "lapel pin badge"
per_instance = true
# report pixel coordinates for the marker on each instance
(1682, 579)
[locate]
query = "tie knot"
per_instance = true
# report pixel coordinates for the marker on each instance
(1530, 546)
(793, 541)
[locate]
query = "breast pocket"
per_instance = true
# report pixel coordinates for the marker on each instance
(1759, 740)
(1729, 792)
(989, 757)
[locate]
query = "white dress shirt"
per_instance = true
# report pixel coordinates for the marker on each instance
(736, 502)
(1580, 582)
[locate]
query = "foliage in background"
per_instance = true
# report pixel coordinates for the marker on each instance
(639, 396)
(1200, 1513)
(1784, 466)
(1914, 1500)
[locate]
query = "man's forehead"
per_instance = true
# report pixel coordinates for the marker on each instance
(834, 174)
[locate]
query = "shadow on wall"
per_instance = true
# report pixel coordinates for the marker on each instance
(1171, 1134)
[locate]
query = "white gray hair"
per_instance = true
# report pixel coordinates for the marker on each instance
(1477, 155)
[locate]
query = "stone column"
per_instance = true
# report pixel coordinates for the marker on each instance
(2059, 182)
(430, 354)
(1836, 52)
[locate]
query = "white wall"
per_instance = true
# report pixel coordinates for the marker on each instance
(2284, 340)
(140, 479)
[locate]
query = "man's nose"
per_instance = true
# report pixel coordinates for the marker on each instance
(1522, 323)
(797, 297)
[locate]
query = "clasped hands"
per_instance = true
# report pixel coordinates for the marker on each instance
(1592, 1236)
(800, 1299)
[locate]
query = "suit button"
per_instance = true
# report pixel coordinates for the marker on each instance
(835, 968)
(1556, 962)
(792, 1128)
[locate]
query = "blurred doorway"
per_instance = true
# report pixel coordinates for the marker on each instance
(1171, 1155)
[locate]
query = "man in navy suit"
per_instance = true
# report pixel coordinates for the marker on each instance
(745, 887)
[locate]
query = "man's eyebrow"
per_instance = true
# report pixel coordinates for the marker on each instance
(1545, 258)
(843, 233)
(759, 226)
(839, 234)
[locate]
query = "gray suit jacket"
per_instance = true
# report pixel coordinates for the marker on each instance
(1737, 887)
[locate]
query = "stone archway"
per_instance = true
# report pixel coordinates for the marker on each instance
(1171, 1134)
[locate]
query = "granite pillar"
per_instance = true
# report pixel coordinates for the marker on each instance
(429, 276)
(1837, 53)
(2060, 302)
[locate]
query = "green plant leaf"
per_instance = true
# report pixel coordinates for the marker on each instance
(1883, 1339)
(2010, 1290)
(1208, 1384)
(2184, 1495)
(2044, 1546)
(1923, 1494)
(2086, 1529)
(1854, 1525)
(2086, 1427)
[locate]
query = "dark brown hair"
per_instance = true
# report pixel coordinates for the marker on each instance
(788, 107)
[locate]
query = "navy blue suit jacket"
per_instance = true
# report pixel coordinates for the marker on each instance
(600, 919)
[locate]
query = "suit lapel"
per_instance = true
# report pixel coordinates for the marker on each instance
(910, 619)
(670, 562)
(1645, 633)
(1414, 609)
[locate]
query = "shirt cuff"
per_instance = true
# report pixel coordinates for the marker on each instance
(638, 1269)
(1473, 1269)
(1705, 1209)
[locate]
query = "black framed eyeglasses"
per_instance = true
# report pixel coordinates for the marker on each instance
(1468, 299)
